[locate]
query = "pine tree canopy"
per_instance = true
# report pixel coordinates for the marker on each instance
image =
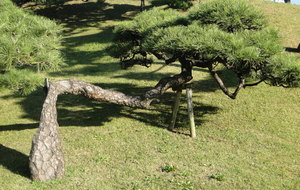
(226, 33)
(28, 44)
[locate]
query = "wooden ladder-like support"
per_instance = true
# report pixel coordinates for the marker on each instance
(189, 94)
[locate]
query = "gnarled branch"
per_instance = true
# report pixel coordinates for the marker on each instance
(223, 87)
(164, 57)
(46, 160)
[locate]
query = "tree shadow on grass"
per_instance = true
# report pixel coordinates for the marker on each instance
(160, 115)
(80, 111)
(209, 84)
(206, 85)
(77, 19)
(87, 14)
(151, 76)
(88, 70)
(18, 127)
(72, 110)
(83, 112)
(293, 50)
(80, 62)
(14, 161)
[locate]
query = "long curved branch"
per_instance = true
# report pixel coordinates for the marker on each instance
(223, 87)
(46, 160)
(254, 84)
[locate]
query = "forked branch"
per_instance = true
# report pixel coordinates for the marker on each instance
(223, 87)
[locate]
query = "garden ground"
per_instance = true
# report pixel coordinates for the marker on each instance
(248, 143)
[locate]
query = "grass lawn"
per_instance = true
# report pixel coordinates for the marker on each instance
(248, 143)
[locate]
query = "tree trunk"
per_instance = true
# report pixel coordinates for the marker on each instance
(46, 160)
(142, 5)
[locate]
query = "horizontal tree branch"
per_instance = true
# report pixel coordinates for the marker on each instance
(165, 57)
(254, 84)
(77, 87)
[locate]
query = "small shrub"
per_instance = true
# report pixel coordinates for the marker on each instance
(177, 4)
(218, 177)
(168, 168)
(102, 159)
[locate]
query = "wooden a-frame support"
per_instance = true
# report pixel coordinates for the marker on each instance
(188, 88)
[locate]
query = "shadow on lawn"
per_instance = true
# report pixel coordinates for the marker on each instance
(160, 115)
(293, 50)
(77, 18)
(83, 112)
(19, 127)
(87, 14)
(14, 161)
(206, 85)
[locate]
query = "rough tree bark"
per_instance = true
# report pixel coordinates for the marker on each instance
(46, 159)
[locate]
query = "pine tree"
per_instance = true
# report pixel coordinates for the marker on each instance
(221, 33)
(29, 44)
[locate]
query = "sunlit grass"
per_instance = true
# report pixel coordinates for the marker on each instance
(251, 142)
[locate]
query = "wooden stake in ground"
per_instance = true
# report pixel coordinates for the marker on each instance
(190, 110)
(175, 109)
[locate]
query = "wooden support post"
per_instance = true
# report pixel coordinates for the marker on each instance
(190, 110)
(175, 109)
(189, 94)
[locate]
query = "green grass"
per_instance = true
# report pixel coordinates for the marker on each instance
(251, 142)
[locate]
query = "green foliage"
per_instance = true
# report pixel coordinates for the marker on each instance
(147, 21)
(22, 82)
(124, 146)
(27, 40)
(192, 40)
(218, 177)
(129, 34)
(229, 15)
(168, 168)
(41, 2)
(230, 32)
(178, 4)
(285, 71)
(51, 2)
